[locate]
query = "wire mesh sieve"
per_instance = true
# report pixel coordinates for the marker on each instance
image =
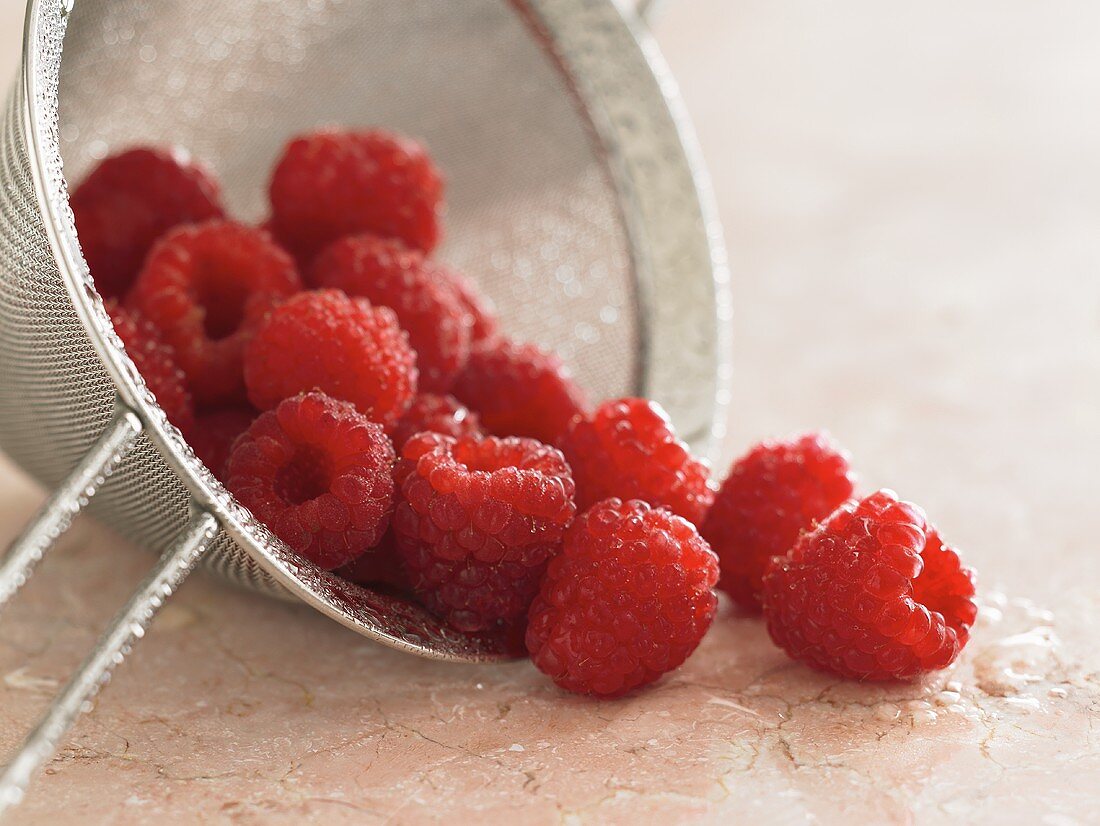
(575, 200)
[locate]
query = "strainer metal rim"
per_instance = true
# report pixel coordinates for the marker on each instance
(40, 87)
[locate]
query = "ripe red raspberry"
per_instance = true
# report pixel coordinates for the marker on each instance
(319, 474)
(871, 594)
(475, 302)
(627, 448)
(214, 432)
(628, 599)
(388, 274)
(333, 183)
(519, 390)
(771, 495)
(129, 201)
(323, 340)
(157, 364)
(476, 521)
(380, 566)
(207, 287)
(436, 414)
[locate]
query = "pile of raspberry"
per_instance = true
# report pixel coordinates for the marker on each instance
(359, 397)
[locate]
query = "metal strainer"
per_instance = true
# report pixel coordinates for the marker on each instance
(575, 199)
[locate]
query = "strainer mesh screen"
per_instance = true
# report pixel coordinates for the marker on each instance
(607, 256)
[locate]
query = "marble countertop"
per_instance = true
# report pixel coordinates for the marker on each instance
(911, 196)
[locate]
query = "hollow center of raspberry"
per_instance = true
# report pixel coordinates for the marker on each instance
(303, 478)
(223, 297)
(941, 584)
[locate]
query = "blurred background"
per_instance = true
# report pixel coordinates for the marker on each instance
(911, 197)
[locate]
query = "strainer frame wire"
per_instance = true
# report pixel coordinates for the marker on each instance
(213, 509)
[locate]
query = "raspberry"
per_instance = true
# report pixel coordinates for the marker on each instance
(332, 183)
(519, 390)
(476, 521)
(129, 201)
(479, 307)
(380, 566)
(213, 434)
(871, 594)
(157, 364)
(628, 599)
(323, 340)
(388, 274)
(318, 473)
(628, 449)
(206, 287)
(436, 414)
(771, 495)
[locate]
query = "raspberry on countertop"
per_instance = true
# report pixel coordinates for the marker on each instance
(772, 494)
(871, 594)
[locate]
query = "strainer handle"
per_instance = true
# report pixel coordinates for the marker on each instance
(71, 496)
(125, 629)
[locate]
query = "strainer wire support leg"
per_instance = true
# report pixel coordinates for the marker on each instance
(125, 629)
(71, 496)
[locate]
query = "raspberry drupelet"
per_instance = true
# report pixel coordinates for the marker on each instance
(389, 274)
(319, 474)
(476, 521)
(519, 390)
(628, 599)
(772, 494)
(324, 340)
(436, 414)
(627, 448)
(129, 201)
(206, 287)
(332, 183)
(871, 594)
(157, 364)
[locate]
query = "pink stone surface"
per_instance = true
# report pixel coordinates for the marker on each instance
(910, 196)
